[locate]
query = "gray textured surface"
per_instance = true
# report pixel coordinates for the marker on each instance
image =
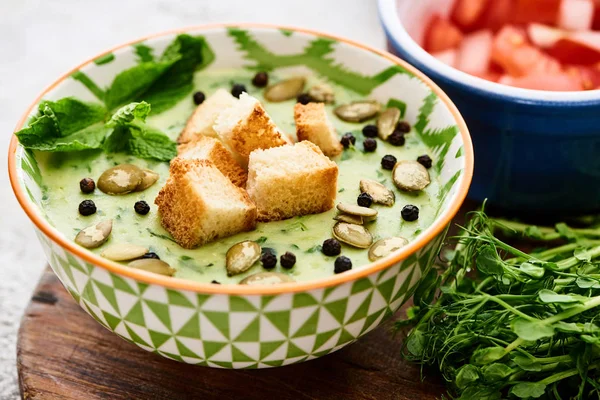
(39, 40)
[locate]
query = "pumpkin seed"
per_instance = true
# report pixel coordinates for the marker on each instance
(387, 121)
(153, 265)
(356, 210)
(124, 252)
(94, 235)
(241, 256)
(285, 90)
(150, 177)
(120, 179)
(322, 93)
(351, 219)
(357, 111)
(379, 193)
(266, 278)
(354, 235)
(410, 176)
(385, 247)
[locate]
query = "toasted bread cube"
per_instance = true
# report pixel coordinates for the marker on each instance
(199, 204)
(246, 127)
(208, 148)
(313, 124)
(202, 120)
(291, 180)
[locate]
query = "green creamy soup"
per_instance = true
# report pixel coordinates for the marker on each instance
(301, 235)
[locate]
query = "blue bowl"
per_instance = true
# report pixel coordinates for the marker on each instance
(537, 152)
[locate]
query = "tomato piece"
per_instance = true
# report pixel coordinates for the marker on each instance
(475, 52)
(582, 47)
(576, 15)
(596, 20)
(512, 51)
(441, 35)
(467, 12)
(544, 36)
(447, 56)
(497, 14)
(588, 76)
(489, 76)
(544, 11)
(558, 82)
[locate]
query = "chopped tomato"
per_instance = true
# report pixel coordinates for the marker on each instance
(582, 47)
(544, 11)
(489, 76)
(596, 21)
(560, 82)
(467, 12)
(513, 52)
(576, 15)
(588, 76)
(447, 57)
(475, 52)
(442, 35)
(497, 14)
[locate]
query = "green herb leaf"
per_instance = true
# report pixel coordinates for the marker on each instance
(487, 355)
(480, 393)
(548, 296)
(496, 372)
(315, 249)
(587, 283)
(527, 364)
(488, 261)
(56, 127)
(261, 240)
(582, 255)
(565, 232)
(466, 376)
(532, 270)
(531, 330)
(415, 343)
(526, 390)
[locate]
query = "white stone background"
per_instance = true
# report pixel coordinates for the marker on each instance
(40, 40)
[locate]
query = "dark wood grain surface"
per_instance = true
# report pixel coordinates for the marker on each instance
(64, 354)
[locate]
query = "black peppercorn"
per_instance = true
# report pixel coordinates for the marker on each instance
(370, 131)
(425, 161)
(331, 247)
(342, 264)
(388, 162)
(347, 140)
(141, 207)
(237, 89)
(87, 185)
(261, 79)
(410, 213)
(288, 260)
(303, 98)
(199, 98)
(370, 145)
(364, 200)
(151, 254)
(215, 282)
(87, 207)
(403, 127)
(268, 259)
(397, 138)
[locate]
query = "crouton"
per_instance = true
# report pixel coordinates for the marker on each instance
(313, 124)
(246, 126)
(199, 204)
(208, 148)
(202, 120)
(291, 180)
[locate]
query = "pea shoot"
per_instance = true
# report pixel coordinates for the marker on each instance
(512, 324)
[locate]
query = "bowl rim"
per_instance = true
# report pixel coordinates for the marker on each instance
(395, 31)
(182, 284)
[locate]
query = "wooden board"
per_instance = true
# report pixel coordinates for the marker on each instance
(62, 353)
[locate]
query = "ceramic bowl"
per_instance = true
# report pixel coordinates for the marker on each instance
(237, 326)
(536, 150)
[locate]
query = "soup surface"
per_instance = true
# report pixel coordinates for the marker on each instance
(301, 235)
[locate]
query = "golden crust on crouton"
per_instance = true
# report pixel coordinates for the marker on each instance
(313, 124)
(291, 180)
(246, 127)
(199, 204)
(202, 120)
(208, 148)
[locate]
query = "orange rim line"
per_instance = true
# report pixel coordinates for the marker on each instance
(182, 284)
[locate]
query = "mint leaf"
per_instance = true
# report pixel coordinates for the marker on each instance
(58, 127)
(161, 83)
(132, 135)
